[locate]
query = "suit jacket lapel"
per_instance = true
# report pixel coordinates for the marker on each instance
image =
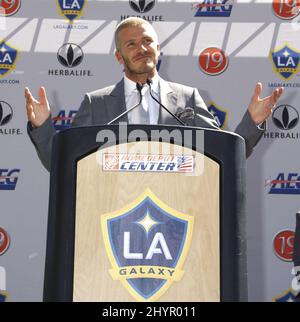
(115, 102)
(168, 98)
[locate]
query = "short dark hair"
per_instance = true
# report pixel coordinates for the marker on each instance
(130, 22)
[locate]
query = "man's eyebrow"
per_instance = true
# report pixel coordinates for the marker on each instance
(148, 37)
(134, 39)
(129, 40)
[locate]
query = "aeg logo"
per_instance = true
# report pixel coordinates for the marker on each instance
(214, 8)
(63, 119)
(8, 179)
(289, 184)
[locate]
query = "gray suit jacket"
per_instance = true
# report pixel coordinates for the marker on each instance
(103, 105)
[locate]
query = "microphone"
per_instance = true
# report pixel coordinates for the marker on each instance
(139, 89)
(149, 82)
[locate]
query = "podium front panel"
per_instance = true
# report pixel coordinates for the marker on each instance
(147, 225)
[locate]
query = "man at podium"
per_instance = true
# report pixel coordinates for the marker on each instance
(143, 97)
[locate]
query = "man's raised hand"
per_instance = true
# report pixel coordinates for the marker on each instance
(37, 111)
(261, 108)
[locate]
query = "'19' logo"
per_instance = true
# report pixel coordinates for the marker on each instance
(10, 7)
(4, 241)
(283, 244)
(286, 9)
(213, 61)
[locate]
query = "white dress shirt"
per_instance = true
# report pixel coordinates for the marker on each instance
(148, 104)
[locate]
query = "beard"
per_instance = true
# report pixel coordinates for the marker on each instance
(143, 66)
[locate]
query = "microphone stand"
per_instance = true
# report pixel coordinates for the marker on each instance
(149, 82)
(139, 89)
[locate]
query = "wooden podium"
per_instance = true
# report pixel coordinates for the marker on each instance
(158, 219)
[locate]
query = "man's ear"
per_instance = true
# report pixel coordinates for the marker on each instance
(119, 57)
(158, 48)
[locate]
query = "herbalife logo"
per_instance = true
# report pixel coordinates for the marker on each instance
(6, 113)
(141, 6)
(70, 55)
(285, 117)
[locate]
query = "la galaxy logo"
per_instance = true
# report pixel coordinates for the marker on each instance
(3, 292)
(288, 296)
(147, 243)
(220, 115)
(3, 296)
(71, 9)
(285, 61)
(8, 58)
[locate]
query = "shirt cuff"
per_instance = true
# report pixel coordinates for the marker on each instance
(261, 127)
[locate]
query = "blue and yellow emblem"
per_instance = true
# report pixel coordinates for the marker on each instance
(147, 243)
(220, 115)
(288, 296)
(8, 58)
(3, 296)
(71, 9)
(285, 61)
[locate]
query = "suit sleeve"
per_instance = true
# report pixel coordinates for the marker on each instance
(250, 132)
(42, 137)
(203, 118)
(247, 129)
(84, 116)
